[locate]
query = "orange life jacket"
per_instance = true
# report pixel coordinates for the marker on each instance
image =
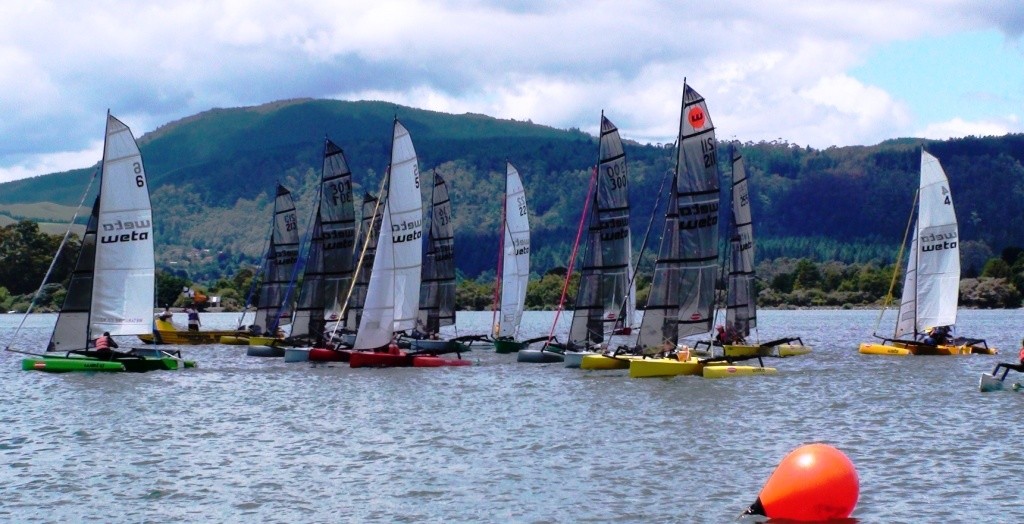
(1021, 355)
(102, 343)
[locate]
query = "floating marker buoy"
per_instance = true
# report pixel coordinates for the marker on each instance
(813, 482)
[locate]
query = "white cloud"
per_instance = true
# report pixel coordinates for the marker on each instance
(768, 69)
(958, 127)
(53, 163)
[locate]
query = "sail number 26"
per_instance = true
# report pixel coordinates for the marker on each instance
(140, 181)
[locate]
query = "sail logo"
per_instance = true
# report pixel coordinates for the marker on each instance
(937, 242)
(126, 231)
(343, 239)
(407, 231)
(696, 117)
(520, 246)
(286, 257)
(698, 216)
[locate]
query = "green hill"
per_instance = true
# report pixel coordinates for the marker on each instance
(211, 175)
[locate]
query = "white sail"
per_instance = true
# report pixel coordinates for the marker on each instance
(392, 298)
(112, 287)
(515, 269)
(933, 269)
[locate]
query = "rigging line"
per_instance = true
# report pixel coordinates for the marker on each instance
(896, 266)
(362, 254)
(572, 257)
(53, 263)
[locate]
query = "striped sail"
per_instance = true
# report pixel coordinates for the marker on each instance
(328, 271)
(515, 265)
(697, 201)
(279, 268)
(932, 284)
(741, 302)
(392, 298)
(437, 289)
(605, 274)
(113, 284)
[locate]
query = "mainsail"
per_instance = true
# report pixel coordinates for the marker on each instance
(279, 268)
(931, 287)
(515, 253)
(328, 273)
(604, 288)
(682, 293)
(741, 302)
(392, 298)
(437, 290)
(113, 284)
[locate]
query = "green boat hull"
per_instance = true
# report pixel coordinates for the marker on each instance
(508, 345)
(76, 364)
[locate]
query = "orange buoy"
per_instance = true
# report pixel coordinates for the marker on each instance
(813, 482)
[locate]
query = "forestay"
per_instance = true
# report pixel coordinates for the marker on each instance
(604, 288)
(931, 287)
(515, 268)
(392, 299)
(112, 287)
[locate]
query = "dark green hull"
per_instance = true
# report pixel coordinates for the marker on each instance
(508, 345)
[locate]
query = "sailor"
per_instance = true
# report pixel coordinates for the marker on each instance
(105, 345)
(1019, 367)
(193, 319)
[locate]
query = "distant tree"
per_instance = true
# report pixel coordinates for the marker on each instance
(168, 288)
(996, 268)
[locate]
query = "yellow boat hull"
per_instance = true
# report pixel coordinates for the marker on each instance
(263, 341)
(898, 349)
(606, 362)
(663, 367)
(745, 350)
(235, 340)
(167, 333)
(792, 350)
(736, 371)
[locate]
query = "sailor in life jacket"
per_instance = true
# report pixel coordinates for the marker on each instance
(105, 344)
(1019, 367)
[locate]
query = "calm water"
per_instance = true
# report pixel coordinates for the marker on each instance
(243, 439)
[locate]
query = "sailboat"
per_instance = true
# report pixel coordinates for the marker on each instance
(437, 285)
(931, 285)
(682, 297)
(329, 264)
(603, 301)
(273, 307)
(513, 265)
(393, 295)
(741, 295)
(112, 287)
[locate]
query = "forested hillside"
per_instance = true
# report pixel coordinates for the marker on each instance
(211, 175)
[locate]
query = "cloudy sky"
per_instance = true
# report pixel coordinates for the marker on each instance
(814, 72)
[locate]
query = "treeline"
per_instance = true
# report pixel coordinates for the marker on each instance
(26, 254)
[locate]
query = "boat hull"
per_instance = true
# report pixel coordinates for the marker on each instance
(329, 355)
(432, 346)
(508, 346)
(234, 340)
(792, 350)
(596, 362)
(67, 365)
(167, 333)
(296, 354)
(537, 356)
(736, 371)
(900, 349)
(370, 359)
(663, 367)
(264, 351)
(745, 351)
(573, 359)
(424, 361)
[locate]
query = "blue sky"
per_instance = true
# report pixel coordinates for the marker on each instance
(817, 73)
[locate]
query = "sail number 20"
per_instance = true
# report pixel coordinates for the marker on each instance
(140, 181)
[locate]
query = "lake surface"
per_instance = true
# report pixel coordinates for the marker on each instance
(243, 439)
